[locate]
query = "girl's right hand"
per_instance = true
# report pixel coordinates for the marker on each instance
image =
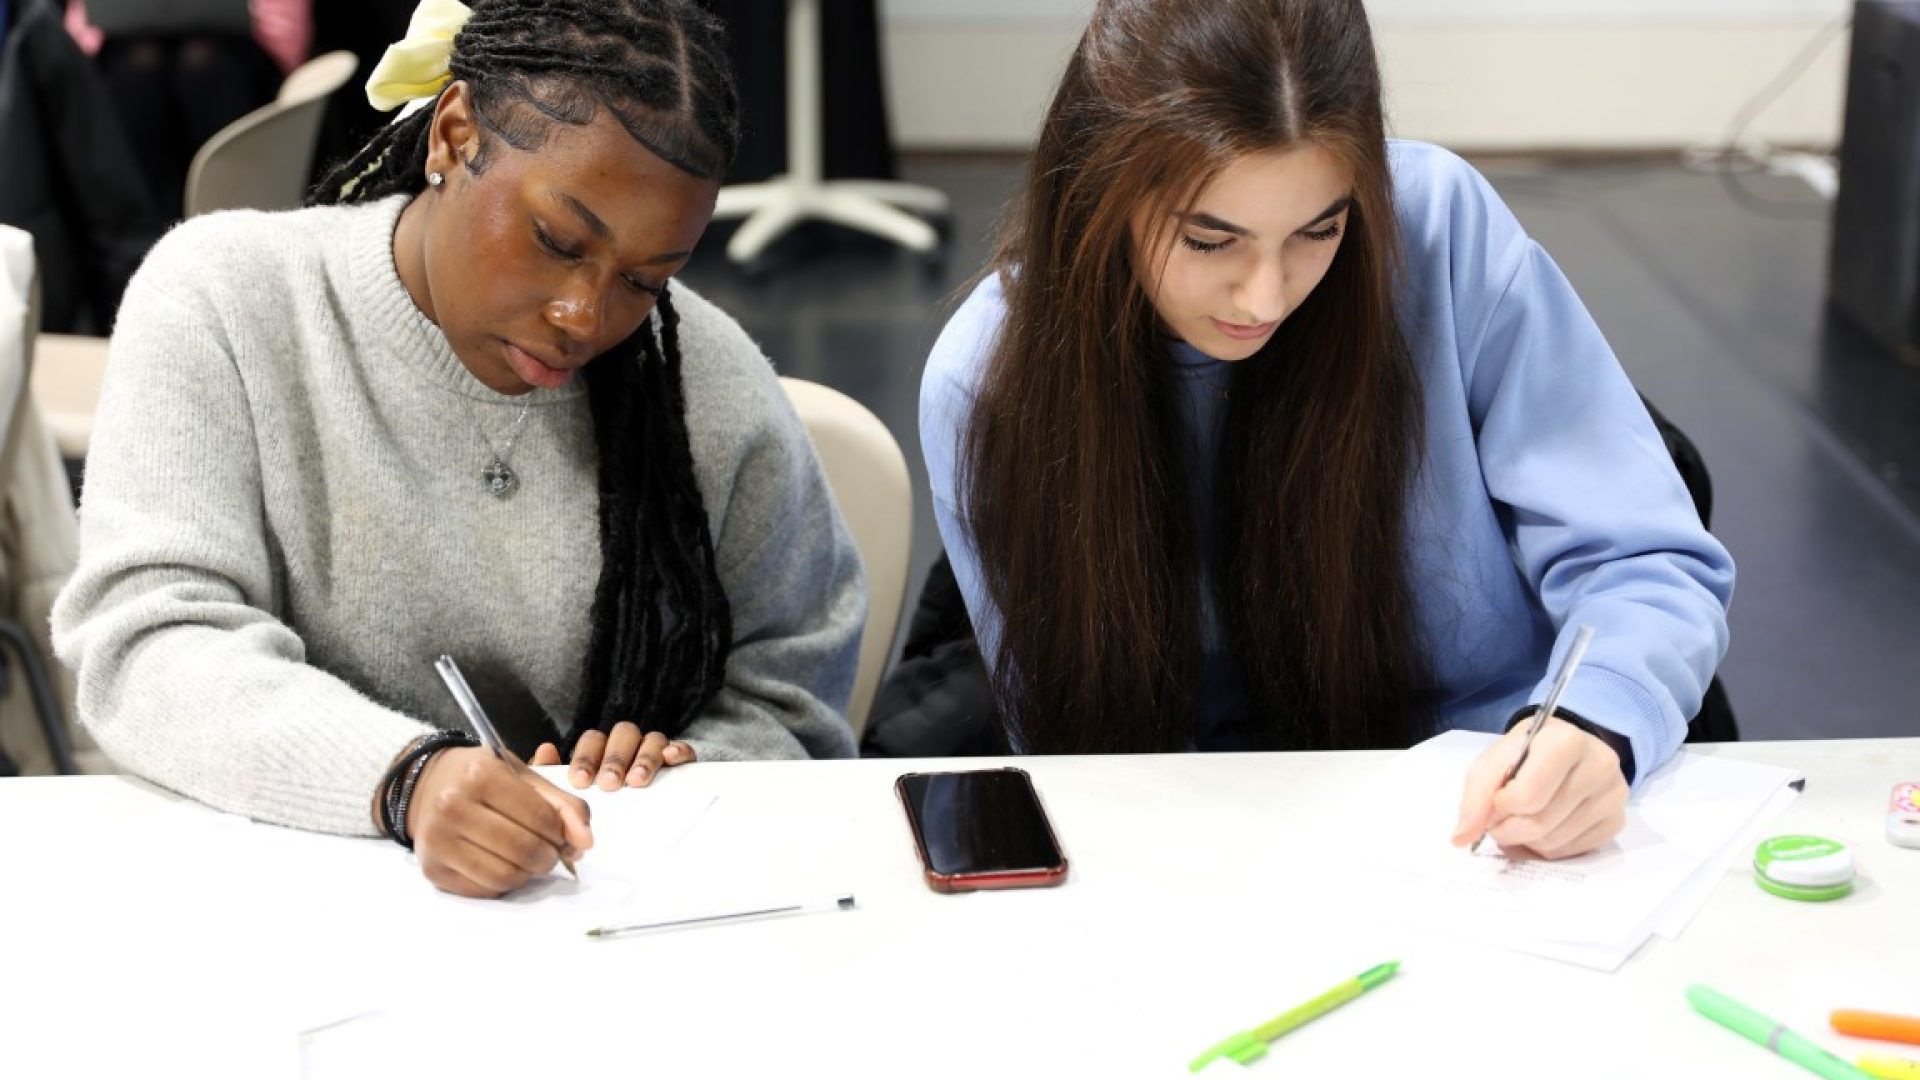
(482, 827)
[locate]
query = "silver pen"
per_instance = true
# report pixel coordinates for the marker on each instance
(1581, 639)
(838, 903)
(483, 727)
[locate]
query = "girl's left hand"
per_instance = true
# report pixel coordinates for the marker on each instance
(625, 756)
(1569, 798)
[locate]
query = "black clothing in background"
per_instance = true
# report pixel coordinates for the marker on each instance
(364, 28)
(937, 700)
(856, 139)
(175, 93)
(69, 176)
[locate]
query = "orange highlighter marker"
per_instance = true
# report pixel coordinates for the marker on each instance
(1869, 1025)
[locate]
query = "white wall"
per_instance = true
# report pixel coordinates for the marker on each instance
(1474, 74)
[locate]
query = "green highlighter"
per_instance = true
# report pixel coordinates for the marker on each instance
(1247, 1046)
(1798, 1049)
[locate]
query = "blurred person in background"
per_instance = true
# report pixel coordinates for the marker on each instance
(181, 72)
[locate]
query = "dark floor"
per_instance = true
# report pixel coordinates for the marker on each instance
(1715, 308)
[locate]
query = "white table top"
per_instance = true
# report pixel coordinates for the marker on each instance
(1183, 920)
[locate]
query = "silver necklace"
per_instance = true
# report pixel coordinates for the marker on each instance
(498, 475)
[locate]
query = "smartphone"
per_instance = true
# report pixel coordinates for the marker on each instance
(981, 829)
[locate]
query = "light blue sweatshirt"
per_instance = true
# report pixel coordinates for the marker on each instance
(1545, 497)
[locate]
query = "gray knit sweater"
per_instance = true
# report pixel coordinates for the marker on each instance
(284, 523)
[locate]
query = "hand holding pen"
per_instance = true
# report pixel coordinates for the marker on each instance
(483, 824)
(1547, 787)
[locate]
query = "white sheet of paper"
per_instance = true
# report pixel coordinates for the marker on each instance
(633, 832)
(337, 1016)
(1594, 910)
(299, 884)
(1692, 896)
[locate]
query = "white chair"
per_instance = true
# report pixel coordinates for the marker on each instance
(261, 161)
(771, 208)
(868, 476)
(67, 371)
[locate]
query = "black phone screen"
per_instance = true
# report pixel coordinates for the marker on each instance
(982, 822)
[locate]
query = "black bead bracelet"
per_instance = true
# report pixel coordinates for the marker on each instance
(396, 786)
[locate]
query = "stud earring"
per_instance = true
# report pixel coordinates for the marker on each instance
(435, 179)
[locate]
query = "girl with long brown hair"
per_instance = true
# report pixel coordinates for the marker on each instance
(1268, 433)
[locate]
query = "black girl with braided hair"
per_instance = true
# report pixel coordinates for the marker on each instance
(455, 407)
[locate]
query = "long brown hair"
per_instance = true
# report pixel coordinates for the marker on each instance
(1072, 486)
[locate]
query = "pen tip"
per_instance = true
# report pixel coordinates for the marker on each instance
(846, 902)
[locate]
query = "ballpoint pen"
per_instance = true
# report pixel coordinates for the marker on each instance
(1581, 639)
(483, 727)
(838, 903)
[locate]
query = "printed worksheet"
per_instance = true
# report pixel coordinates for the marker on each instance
(1595, 909)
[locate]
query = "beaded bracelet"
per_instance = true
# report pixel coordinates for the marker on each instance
(405, 800)
(396, 786)
(389, 789)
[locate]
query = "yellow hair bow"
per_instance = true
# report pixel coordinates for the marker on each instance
(416, 67)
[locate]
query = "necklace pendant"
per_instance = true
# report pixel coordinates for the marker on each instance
(501, 480)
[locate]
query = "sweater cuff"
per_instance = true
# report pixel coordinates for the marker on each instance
(1652, 724)
(1618, 743)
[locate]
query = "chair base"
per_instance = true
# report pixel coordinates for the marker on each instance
(878, 207)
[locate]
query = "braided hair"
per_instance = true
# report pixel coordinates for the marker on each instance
(661, 627)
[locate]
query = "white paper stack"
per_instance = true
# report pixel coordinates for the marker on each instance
(1684, 827)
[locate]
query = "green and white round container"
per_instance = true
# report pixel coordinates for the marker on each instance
(1804, 867)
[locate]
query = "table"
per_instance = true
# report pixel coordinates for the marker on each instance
(1182, 921)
